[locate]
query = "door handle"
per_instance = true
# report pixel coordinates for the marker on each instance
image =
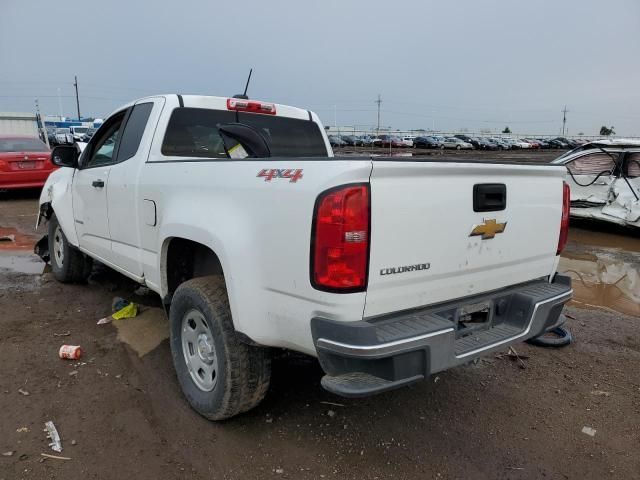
(98, 183)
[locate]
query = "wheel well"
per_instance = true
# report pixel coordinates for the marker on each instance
(187, 259)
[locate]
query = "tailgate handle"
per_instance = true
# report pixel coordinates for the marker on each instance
(489, 197)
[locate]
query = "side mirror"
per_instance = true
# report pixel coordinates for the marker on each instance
(65, 156)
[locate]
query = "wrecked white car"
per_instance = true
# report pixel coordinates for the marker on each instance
(605, 177)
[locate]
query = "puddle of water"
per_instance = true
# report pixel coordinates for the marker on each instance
(144, 332)
(22, 263)
(20, 240)
(605, 269)
(581, 236)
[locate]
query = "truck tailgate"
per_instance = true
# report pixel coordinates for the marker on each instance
(428, 245)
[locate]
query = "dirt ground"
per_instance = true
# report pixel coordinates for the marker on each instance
(121, 414)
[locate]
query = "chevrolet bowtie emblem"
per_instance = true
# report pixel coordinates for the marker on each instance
(488, 229)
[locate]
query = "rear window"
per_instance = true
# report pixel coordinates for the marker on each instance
(22, 145)
(193, 132)
(593, 164)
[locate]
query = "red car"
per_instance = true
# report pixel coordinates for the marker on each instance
(25, 162)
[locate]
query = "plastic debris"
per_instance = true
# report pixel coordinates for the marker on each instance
(7, 454)
(130, 311)
(121, 308)
(52, 434)
(23, 392)
(589, 431)
(70, 352)
(22, 430)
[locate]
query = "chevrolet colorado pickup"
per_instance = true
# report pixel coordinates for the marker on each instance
(256, 237)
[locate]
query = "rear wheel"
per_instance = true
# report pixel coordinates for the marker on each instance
(220, 375)
(68, 264)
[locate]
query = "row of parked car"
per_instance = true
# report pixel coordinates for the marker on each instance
(457, 142)
(69, 135)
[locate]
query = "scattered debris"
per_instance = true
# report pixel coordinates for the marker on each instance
(601, 393)
(70, 352)
(73, 373)
(436, 379)
(121, 308)
(7, 238)
(331, 413)
(54, 457)
(515, 468)
(513, 355)
(22, 430)
(334, 404)
(23, 392)
(52, 433)
(8, 454)
(279, 471)
(569, 316)
(269, 420)
(589, 431)
(128, 311)
(65, 334)
(73, 442)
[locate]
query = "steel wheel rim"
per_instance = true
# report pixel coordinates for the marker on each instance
(58, 246)
(198, 349)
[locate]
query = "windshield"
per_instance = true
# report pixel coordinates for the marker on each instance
(22, 145)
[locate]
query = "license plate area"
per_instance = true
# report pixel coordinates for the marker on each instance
(473, 318)
(25, 165)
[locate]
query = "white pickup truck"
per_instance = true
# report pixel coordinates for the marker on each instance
(256, 237)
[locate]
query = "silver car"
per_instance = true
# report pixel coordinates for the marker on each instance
(453, 142)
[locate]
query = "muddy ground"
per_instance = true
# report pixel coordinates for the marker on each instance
(121, 414)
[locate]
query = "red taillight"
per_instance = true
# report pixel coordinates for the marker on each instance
(340, 239)
(250, 106)
(564, 222)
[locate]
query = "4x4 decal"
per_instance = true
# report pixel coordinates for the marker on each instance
(291, 174)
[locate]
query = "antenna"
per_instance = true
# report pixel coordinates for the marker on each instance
(244, 96)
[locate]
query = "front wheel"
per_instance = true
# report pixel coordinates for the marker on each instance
(68, 264)
(220, 375)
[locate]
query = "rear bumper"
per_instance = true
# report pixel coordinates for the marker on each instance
(375, 355)
(24, 179)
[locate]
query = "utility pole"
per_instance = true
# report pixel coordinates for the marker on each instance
(40, 120)
(75, 84)
(379, 102)
(564, 119)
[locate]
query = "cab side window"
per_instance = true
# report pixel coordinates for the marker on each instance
(592, 164)
(103, 148)
(133, 131)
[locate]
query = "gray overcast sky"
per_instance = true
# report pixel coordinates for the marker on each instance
(464, 64)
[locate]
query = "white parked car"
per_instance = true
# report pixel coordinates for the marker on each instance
(78, 132)
(407, 141)
(605, 181)
(237, 215)
(63, 136)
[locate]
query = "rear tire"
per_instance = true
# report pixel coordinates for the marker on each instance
(69, 265)
(220, 376)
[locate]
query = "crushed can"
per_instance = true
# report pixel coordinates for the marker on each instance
(70, 352)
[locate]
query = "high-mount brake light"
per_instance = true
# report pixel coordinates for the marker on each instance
(251, 106)
(564, 221)
(340, 239)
